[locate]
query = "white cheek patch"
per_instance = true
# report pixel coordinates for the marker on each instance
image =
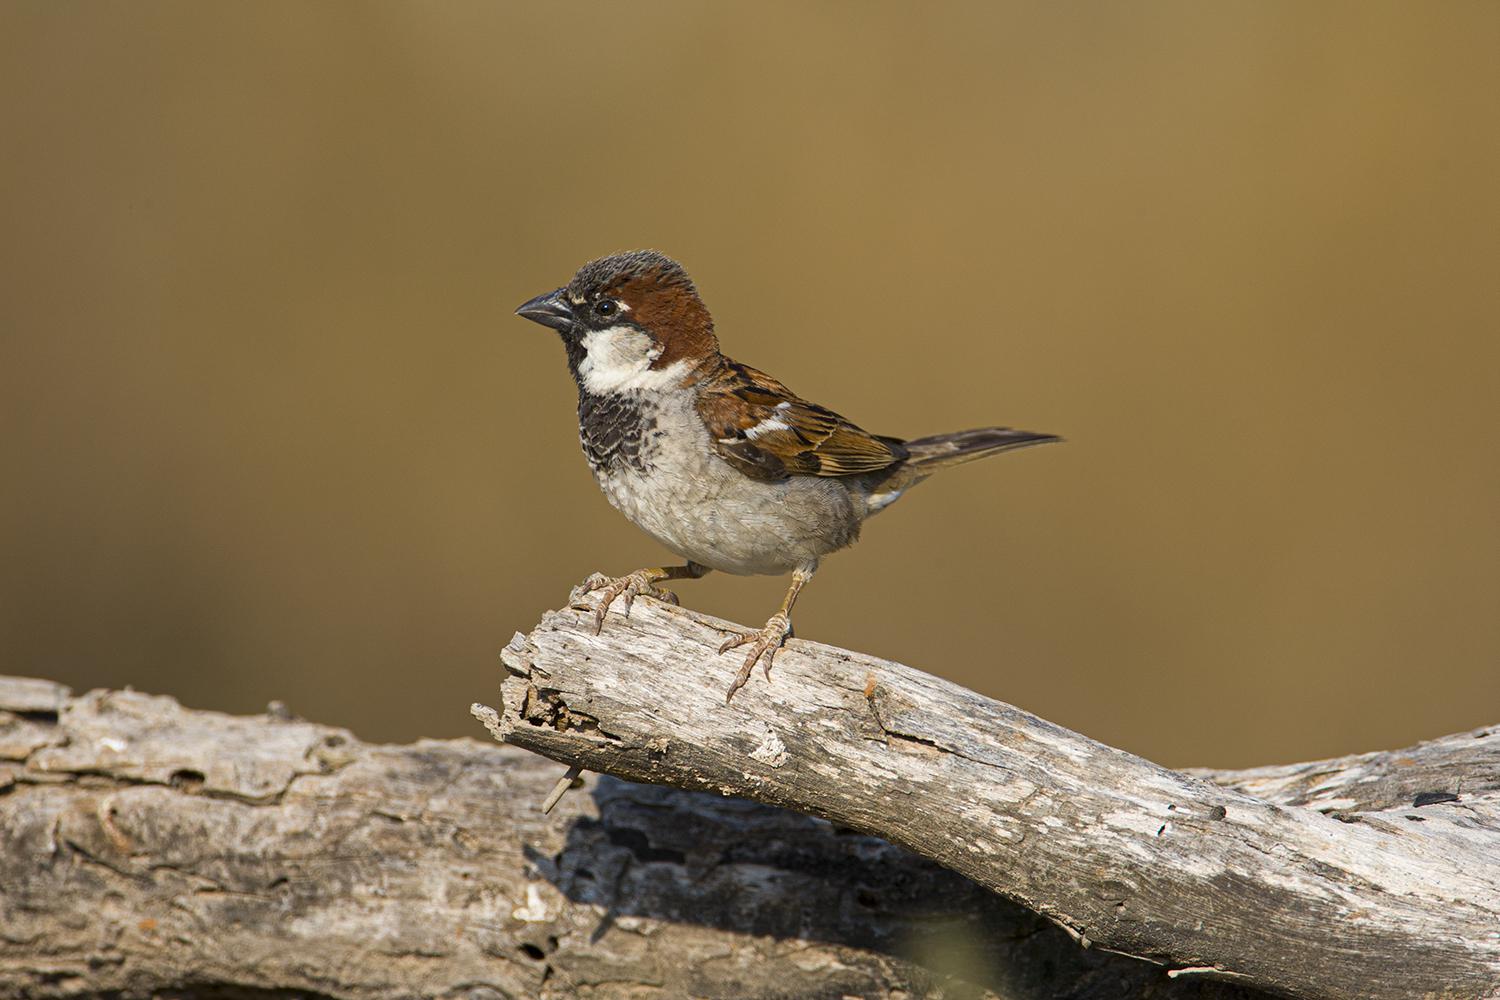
(619, 359)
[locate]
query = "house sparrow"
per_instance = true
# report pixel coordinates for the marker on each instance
(719, 462)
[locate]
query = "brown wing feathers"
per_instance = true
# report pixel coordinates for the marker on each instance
(766, 431)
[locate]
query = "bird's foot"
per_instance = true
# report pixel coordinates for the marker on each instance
(630, 586)
(763, 643)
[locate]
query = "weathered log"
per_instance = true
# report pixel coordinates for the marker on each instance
(1383, 892)
(147, 850)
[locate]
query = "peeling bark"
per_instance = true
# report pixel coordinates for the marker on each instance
(1372, 876)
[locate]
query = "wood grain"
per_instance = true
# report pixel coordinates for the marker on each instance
(147, 850)
(1321, 880)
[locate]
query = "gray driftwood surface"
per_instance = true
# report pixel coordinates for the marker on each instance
(1323, 880)
(147, 850)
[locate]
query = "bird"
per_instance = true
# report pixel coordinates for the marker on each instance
(720, 463)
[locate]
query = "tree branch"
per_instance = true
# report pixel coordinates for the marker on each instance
(151, 851)
(1320, 880)
(148, 850)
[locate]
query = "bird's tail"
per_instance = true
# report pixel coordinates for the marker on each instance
(924, 456)
(929, 454)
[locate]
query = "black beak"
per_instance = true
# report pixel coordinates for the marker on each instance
(552, 309)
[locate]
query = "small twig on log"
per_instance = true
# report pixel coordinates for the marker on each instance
(558, 790)
(1385, 900)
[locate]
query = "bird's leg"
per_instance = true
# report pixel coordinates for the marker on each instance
(769, 639)
(630, 586)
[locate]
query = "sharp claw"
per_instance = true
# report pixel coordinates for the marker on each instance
(629, 587)
(741, 678)
(767, 642)
(577, 596)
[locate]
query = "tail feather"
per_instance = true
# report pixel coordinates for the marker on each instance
(928, 454)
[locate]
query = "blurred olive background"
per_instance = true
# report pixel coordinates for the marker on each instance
(271, 431)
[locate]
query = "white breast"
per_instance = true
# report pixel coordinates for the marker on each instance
(700, 507)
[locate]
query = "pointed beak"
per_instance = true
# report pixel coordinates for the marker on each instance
(552, 309)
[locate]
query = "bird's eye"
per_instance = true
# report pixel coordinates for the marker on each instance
(606, 307)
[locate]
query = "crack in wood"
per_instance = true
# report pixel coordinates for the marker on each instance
(1220, 875)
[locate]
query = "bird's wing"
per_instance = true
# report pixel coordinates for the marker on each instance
(767, 432)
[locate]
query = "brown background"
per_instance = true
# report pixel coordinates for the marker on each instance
(271, 431)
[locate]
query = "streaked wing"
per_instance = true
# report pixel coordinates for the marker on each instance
(766, 431)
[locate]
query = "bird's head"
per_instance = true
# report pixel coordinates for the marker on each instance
(630, 321)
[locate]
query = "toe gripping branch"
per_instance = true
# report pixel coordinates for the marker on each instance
(643, 582)
(765, 642)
